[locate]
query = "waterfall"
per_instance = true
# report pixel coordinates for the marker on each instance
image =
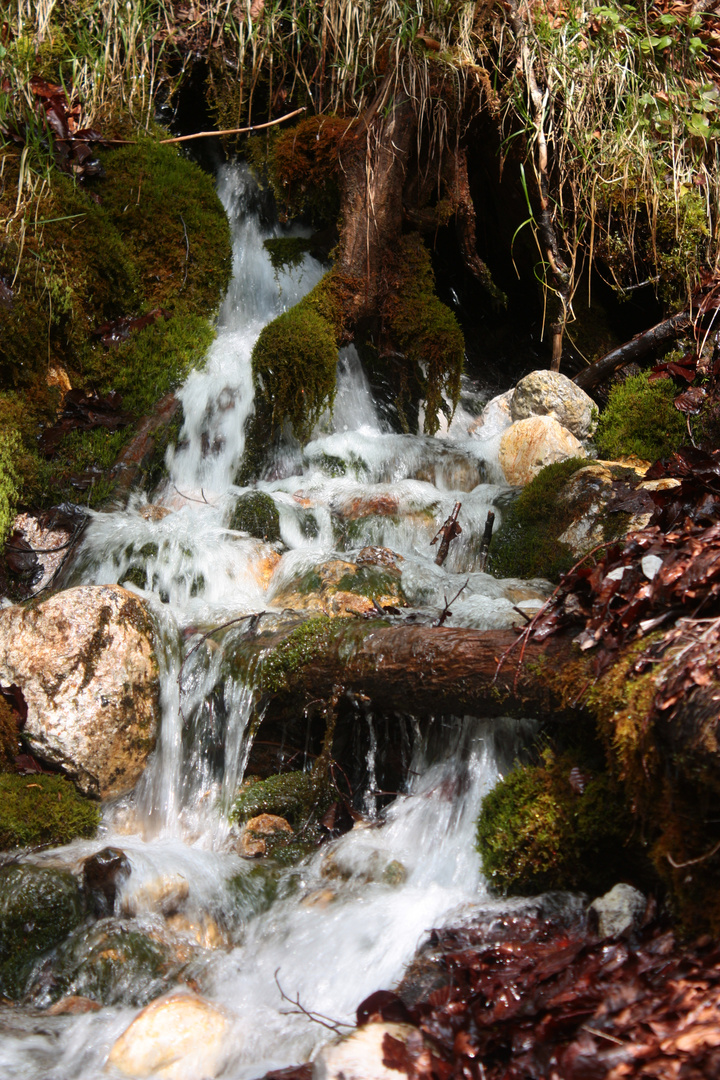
(346, 921)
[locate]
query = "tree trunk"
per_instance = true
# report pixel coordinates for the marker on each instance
(374, 169)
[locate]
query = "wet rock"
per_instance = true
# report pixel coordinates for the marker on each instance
(375, 505)
(203, 930)
(110, 962)
(38, 908)
(361, 1055)
(363, 866)
(85, 663)
(256, 514)
(451, 471)
(495, 417)
(529, 445)
(162, 895)
(254, 840)
(176, 1038)
(339, 587)
(152, 512)
(588, 494)
(618, 911)
(103, 873)
(548, 393)
(73, 1005)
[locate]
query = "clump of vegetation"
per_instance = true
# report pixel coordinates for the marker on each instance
(295, 358)
(287, 252)
(41, 809)
(294, 796)
(640, 419)
(303, 165)
(38, 908)
(9, 480)
(425, 330)
(526, 545)
(156, 239)
(256, 513)
(544, 827)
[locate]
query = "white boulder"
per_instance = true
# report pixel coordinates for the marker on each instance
(85, 663)
(529, 445)
(359, 1055)
(548, 393)
(619, 910)
(180, 1037)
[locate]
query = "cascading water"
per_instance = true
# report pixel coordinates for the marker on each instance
(346, 921)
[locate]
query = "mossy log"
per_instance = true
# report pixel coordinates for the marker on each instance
(642, 346)
(425, 671)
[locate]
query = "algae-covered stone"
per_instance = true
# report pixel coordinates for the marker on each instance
(548, 393)
(39, 907)
(111, 962)
(293, 796)
(342, 588)
(256, 513)
(85, 663)
(538, 831)
(40, 809)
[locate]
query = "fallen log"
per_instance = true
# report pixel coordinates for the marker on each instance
(638, 348)
(424, 671)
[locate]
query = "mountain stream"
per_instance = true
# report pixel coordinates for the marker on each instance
(242, 929)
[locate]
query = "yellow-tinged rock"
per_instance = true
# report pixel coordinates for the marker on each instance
(268, 825)
(529, 445)
(180, 1037)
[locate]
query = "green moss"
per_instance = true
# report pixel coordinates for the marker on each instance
(157, 237)
(297, 650)
(294, 796)
(256, 513)
(426, 331)
(10, 447)
(526, 544)
(303, 165)
(43, 810)
(640, 419)
(287, 252)
(38, 908)
(536, 833)
(294, 360)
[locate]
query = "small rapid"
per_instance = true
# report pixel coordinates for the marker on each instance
(347, 920)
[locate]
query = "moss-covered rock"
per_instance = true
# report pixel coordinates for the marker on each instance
(111, 962)
(38, 908)
(255, 513)
(41, 809)
(294, 360)
(295, 796)
(526, 545)
(544, 827)
(157, 238)
(640, 419)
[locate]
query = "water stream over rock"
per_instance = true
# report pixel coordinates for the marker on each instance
(193, 915)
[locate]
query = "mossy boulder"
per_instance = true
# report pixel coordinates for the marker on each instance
(640, 419)
(526, 545)
(295, 796)
(155, 240)
(294, 361)
(256, 513)
(111, 962)
(41, 809)
(549, 826)
(341, 588)
(38, 908)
